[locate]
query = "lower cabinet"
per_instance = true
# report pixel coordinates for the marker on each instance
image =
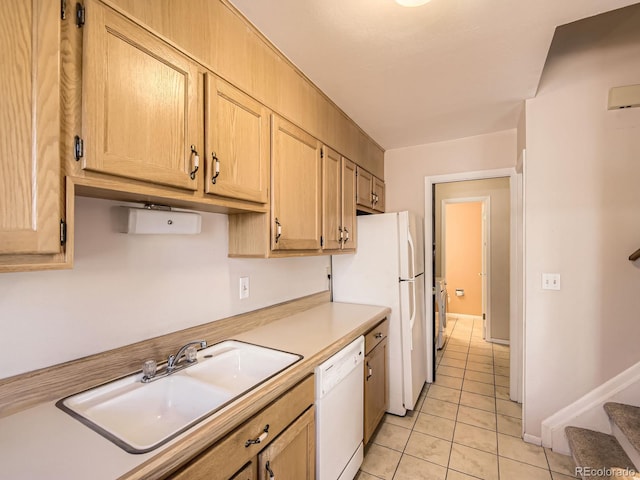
(280, 439)
(291, 456)
(376, 383)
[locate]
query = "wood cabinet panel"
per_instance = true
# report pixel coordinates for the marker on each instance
(370, 192)
(378, 195)
(296, 188)
(350, 235)
(376, 397)
(376, 335)
(31, 204)
(237, 143)
(364, 196)
(331, 199)
(141, 103)
(291, 456)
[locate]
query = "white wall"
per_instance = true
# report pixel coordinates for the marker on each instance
(582, 176)
(127, 288)
(405, 168)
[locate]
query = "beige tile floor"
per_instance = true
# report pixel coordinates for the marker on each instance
(464, 427)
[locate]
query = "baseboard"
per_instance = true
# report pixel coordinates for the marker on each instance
(527, 437)
(588, 411)
(498, 341)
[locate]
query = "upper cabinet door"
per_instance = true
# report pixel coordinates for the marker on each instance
(140, 103)
(331, 200)
(378, 194)
(364, 188)
(30, 183)
(296, 188)
(237, 144)
(348, 204)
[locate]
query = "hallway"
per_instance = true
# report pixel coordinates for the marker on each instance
(464, 427)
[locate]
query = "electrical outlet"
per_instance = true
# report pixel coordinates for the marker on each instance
(551, 281)
(244, 287)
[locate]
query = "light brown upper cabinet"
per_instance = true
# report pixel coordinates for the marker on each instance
(296, 188)
(141, 108)
(349, 237)
(370, 192)
(338, 201)
(378, 195)
(237, 143)
(31, 203)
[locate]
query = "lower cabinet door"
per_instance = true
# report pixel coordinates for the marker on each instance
(375, 388)
(291, 456)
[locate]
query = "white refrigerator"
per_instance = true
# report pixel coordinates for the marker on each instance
(388, 270)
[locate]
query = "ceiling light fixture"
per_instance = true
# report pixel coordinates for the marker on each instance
(412, 3)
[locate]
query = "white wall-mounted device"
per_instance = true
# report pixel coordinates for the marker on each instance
(159, 220)
(624, 97)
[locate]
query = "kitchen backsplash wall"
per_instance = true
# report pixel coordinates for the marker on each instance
(127, 288)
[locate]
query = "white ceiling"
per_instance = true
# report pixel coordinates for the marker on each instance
(408, 76)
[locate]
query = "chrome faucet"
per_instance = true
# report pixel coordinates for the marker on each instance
(173, 360)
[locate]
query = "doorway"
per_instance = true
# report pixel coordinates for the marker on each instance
(466, 258)
(514, 264)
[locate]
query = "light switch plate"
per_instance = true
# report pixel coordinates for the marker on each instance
(551, 281)
(244, 287)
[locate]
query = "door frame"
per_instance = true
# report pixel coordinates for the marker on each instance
(517, 319)
(486, 254)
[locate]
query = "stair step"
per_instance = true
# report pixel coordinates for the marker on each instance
(627, 419)
(599, 453)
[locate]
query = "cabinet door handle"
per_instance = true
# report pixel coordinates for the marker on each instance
(278, 230)
(269, 471)
(346, 234)
(196, 162)
(378, 335)
(258, 439)
(369, 372)
(340, 235)
(216, 167)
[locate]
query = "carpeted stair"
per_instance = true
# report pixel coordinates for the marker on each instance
(602, 456)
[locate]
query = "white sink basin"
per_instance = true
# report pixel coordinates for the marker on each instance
(139, 417)
(238, 366)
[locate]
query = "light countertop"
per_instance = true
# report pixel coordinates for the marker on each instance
(44, 442)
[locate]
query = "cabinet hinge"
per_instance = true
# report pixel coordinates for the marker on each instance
(321, 241)
(484, 316)
(63, 9)
(78, 148)
(79, 15)
(63, 232)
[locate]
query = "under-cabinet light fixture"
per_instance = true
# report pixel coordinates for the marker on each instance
(154, 220)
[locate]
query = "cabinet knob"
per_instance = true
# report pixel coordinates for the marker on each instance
(378, 335)
(216, 167)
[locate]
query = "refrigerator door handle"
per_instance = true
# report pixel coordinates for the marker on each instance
(412, 316)
(412, 259)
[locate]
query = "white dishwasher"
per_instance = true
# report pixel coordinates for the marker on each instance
(339, 413)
